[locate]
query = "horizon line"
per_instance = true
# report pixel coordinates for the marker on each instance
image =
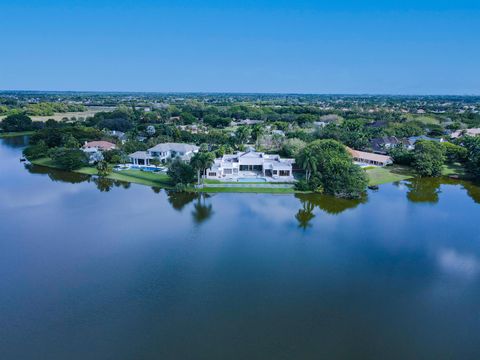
(235, 93)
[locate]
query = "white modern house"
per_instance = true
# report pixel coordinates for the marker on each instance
(164, 152)
(251, 165)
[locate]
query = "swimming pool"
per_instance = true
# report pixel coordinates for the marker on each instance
(252, 180)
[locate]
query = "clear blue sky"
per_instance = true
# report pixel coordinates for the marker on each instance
(341, 46)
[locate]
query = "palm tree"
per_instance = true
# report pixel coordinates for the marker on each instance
(308, 162)
(201, 161)
(257, 132)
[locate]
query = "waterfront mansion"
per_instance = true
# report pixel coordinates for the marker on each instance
(163, 152)
(251, 165)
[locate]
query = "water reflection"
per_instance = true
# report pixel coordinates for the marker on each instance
(427, 190)
(58, 175)
(16, 141)
(305, 215)
(179, 200)
(103, 184)
(202, 210)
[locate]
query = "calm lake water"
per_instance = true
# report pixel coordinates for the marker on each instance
(98, 270)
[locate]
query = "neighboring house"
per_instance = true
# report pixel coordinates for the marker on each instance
(117, 134)
(383, 144)
(319, 124)
(251, 165)
(413, 139)
(164, 152)
(246, 122)
(468, 132)
(366, 158)
(278, 132)
(99, 145)
(94, 150)
(193, 129)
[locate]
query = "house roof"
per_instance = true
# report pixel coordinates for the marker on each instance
(140, 155)
(369, 156)
(177, 147)
(470, 132)
(101, 145)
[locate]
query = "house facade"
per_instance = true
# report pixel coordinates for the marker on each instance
(251, 165)
(94, 150)
(370, 159)
(164, 152)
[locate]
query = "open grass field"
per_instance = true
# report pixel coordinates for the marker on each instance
(425, 119)
(388, 174)
(91, 111)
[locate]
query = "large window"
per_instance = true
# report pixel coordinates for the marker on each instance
(284, 173)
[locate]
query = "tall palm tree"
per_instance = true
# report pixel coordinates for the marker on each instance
(201, 161)
(308, 162)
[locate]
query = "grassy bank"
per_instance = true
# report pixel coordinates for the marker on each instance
(131, 176)
(13, 134)
(388, 174)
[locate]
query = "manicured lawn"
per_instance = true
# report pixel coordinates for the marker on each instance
(132, 176)
(143, 178)
(13, 134)
(388, 174)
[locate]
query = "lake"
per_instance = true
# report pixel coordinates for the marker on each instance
(92, 269)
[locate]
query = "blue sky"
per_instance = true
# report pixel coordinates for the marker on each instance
(387, 47)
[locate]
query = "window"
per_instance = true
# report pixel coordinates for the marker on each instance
(284, 173)
(227, 171)
(212, 174)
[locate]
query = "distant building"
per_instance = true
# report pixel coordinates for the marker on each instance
(382, 144)
(413, 139)
(164, 152)
(94, 150)
(467, 132)
(99, 145)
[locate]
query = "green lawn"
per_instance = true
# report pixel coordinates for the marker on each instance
(388, 174)
(453, 169)
(132, 176)
(13, 134)
(425, 119)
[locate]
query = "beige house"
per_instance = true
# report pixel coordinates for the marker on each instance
(367, 158)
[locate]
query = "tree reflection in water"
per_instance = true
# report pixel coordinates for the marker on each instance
(329, 204)
(179, 200)
(58, 175)
(427, 190)
(305, 215)
(202, 211)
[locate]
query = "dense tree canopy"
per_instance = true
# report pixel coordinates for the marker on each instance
(334, 171)
(428, 158)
